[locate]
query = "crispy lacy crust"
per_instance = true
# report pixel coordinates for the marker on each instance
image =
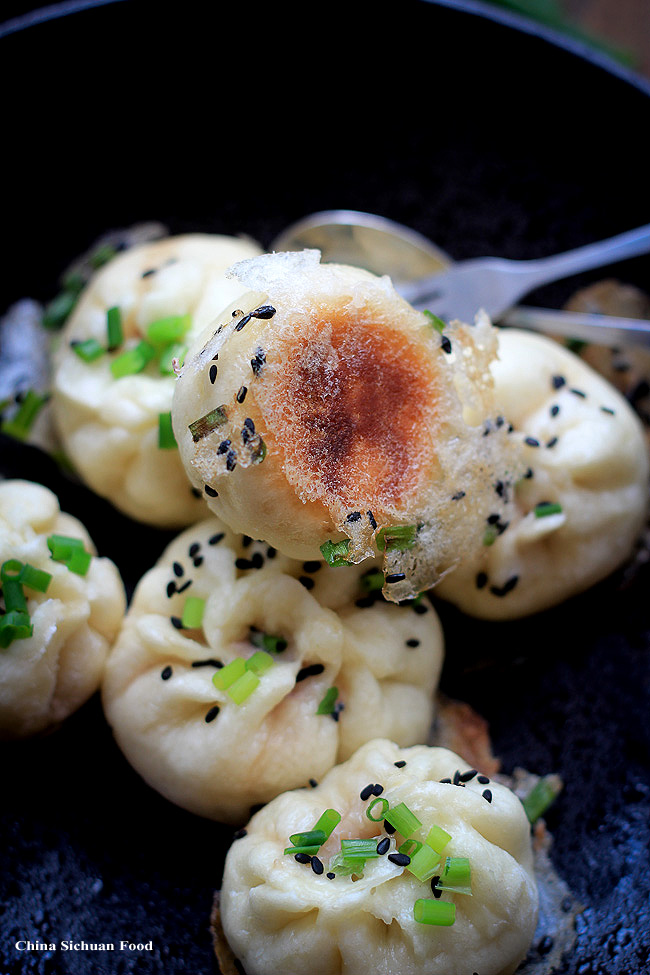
(191, 742)
(278, 915)
(109, 426)
(47, 676)
(323, 407)
(585, 450)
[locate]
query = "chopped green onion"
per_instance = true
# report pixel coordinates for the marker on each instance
(372, 581)
(71, 551)
(114, 330)
(328, 821)
(268, 642)
(12, 587)
(424, 863)
(170, 329)
(33, 578)
(490, 535)
(258, 449)
(385, 806)
(14, 625)
(174, 351)
(345, 866)
(410, 847)
(335, 553)
(133, 360)
(89, 350)
(309, 850)
(426, 910)
(193, 610)
(312, 837)
(79, 562)
(19, 426)
(166, 438)
(437, 323)
(57, 310)
(74, 282)
(328, 703)
(396, 538)
(243, 687)
(260, 662)
(541, 796)
(359, 849)
(207, 424)
(547, 508)
(229, 674)
(102, 255)
(404, 821)
(437, 838)
(457, 876)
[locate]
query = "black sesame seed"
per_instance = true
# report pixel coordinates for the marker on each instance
(231, 460)
(176, 622)
(246, 540)
(171, 589)
(531, 441)
(383, 846)
(481, 580)
(458, 495)
(389, 828)
(608, 409)
(558, 382)
(353, 516)
(578, 392)
(468, 776)
(257, 560)
(258, 361)
(400, 859)
(248, 423)
(395, 577)
(211, 662)
(505, 588)
(239, 834)
(487, 795)
(420, 609)
(551, 442)
(377, 789)
(445, 344)
(413, 643)
(271, 552)
(306, 582)
(400, 764)
(166, 673)
(194, 549)
(366, 792)
(241, 563)
(330, 875)
(148, 272)
(302, 858)
(312, 566)
(242, 321)
(212, 713)
(457, 777)
(483, 779)
(313, 783)
(186, 585)
(313, 670)
(264, 311)
(213, 372)
(210, 491)
(371, 519)
(446, 781)
(198, 561)
(241, 394)
(545, 945)
(317, 865)
(435, 880)
(529, 474)
(178, 569)
(555, 409)
(493, 519)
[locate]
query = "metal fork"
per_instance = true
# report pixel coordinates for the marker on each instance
(496, 284)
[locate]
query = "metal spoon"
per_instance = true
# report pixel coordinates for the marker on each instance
(385, 247)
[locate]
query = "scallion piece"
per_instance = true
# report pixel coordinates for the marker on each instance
(328, 703)
(410, 847)
(260, 662)
(14, 625)
(541, 796)
(456, 876)
(404, 821)
(437, 323)
(396, 538)
(33, 578)
(328, 821)
(89, 350)
(312, 837)
(359, 849)
(489, 535)
(58, 310)
(345, 866)
(12, 587)
(243, 687)
(79, 562)
(174, 351)
(166, 438)
(384, 806)
(207, 424)
(102, 255)
(335, 553)
(546, 508)
(372, 581)
(71, 551)
(268, 642)
(426, 910)
(437, 838)
(424, 863)
(19, 426)
(310, 851)
(132, 361)
(193, 610)
(170, 329)
(114, 330)
(229, 674)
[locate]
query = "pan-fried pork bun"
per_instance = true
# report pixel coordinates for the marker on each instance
(51, 658)
(240, 673)
(322, 410)
(108, 404)
(451, 890)
(582, 504)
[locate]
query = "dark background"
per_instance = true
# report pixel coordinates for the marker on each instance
(487, 138)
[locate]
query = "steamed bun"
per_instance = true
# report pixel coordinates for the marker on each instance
(321, 409)
(109, 426)
(48, 675)
(280, 915)
(586, 456)
(316, 627)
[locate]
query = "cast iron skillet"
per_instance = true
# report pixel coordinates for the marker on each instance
(474, 128)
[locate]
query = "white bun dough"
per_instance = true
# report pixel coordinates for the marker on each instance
(591, 459)
(109, 426)
(50, 674)
(190, 741)
(278, 915)
(329, 410)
